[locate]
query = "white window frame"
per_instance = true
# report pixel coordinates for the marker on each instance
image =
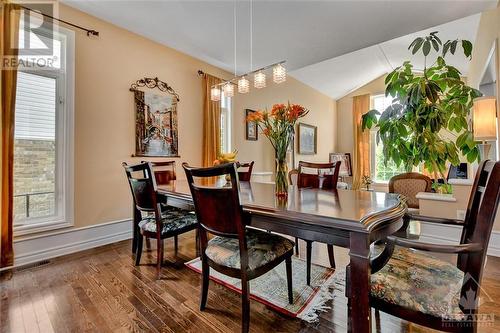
(226, 117)
(64, 182)
(373, 144)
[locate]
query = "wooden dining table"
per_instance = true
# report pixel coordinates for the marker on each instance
(346, 218)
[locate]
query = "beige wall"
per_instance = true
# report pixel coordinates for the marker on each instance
(104, 111)
(322, 114)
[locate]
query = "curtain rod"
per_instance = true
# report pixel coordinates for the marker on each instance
(90, 32)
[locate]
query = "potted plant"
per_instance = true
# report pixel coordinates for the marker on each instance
(428, 120)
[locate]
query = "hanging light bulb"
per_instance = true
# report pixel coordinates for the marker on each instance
(228, 89)
(215, 94)
(243, 85)
(259, 80)
(279, 74)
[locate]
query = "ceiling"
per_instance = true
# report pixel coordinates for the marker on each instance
(339, 76)
(301, 32)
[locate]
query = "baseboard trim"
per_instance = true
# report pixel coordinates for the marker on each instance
(450, 234)
(47, 246)
(29, 250)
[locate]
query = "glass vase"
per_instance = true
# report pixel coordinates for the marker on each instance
(281, 178)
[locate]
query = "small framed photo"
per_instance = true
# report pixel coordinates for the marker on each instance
(307, 139)
(345, 163)
(252, 130)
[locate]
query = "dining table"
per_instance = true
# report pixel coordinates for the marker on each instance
(345, 218)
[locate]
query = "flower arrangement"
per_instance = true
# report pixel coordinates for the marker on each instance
(278, 126)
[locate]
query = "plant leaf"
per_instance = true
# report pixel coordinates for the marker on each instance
(426, 48)
(467, 46)
(417, 46)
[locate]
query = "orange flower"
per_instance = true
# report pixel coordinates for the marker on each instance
(296, 111)
(216, 162)
(266, 131)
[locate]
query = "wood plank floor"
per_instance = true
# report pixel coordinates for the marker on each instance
(100, 290)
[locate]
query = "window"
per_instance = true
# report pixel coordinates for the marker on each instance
(43, 135)
(380, 172)
(225, 124)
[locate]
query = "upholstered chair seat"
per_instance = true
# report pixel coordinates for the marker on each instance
(420, 282)
(174, 221)
(263, 247)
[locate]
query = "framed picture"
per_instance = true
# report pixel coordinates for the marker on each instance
(156, 132)
(307, 139)
(252, 130)
(345, 163)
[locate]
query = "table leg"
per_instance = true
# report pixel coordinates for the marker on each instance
(359, 313)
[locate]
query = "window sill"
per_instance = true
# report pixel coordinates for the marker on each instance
(40, 227)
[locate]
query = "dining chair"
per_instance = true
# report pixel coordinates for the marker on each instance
(164, 172)
(245, 175)
(155, 222)
(235, 250)
(324, 181)
(410, 184)
(432, 292)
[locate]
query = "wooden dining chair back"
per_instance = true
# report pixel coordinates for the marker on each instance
(218, 208)
(142, 185)
(235, 250)
(164, 171)
(444, 296)
(480, 217)
(325, 181)
(410, 184)
(245, 175)
(321, 180)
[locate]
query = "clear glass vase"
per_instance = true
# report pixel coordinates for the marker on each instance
(281, 177)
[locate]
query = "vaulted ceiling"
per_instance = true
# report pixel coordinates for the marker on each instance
(303, 33)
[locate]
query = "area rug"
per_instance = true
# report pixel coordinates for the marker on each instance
(271, 290)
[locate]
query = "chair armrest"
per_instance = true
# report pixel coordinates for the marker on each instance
(461, 248)
(439, 220)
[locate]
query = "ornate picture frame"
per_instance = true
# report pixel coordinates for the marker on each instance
(156, 128)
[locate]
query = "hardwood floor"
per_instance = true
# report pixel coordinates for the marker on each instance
(101, 290)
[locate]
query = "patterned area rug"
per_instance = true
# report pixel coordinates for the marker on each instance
(270, 289)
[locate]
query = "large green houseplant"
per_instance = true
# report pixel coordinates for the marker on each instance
(427, 122)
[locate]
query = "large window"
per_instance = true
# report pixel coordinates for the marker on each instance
(44, 134)
(225, 124)
(381, 173)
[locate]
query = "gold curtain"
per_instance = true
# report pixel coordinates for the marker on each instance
(211, 122)
(360, 105)
(9, 32)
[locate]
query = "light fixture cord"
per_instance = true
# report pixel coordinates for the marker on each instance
(234, 22)
(251, 35)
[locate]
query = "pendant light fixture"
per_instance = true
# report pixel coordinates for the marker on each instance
(243, 85)
(228, 89)
(259, 77)
(279, 74)
(215, 94)
(259, 80)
